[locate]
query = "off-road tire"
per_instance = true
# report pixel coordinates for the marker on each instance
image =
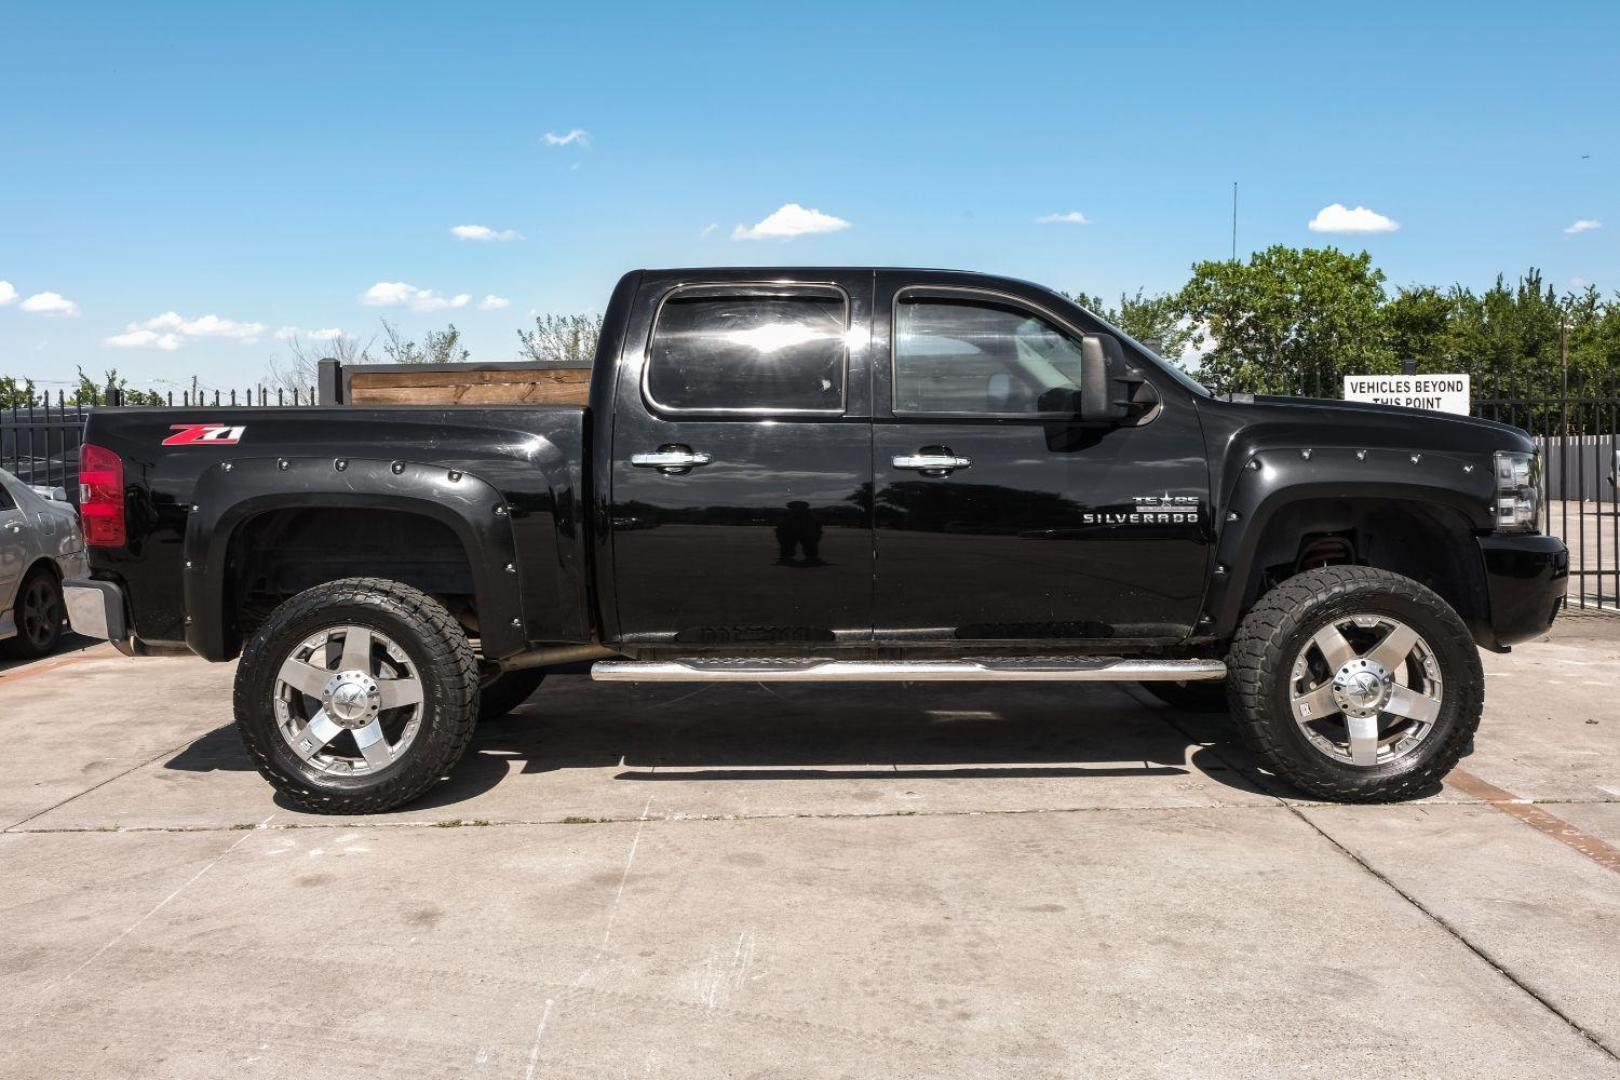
(506, 691)
(1275, 629)
(1195, 696)
(40, 585)
(438, 649)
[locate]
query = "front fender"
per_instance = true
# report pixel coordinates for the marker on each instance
(1264, 481)
(230, 494)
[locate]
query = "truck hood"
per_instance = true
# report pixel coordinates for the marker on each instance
(1420, 429)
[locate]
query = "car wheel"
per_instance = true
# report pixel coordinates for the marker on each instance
(1198, 695)
(1355, 684)
(357, 696)
(39, 613)
(506, 690)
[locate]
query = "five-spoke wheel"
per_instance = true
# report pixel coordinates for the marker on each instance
(348, 700)
(1366, 689)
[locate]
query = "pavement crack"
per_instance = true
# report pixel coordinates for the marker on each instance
(16, 825)
(1294, 808)
(1460, 938)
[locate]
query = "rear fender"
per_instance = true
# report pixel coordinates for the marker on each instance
(230, 494)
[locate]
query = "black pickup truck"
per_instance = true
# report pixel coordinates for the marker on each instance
(819, 475)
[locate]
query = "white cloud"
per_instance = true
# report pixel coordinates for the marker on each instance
(708, 230)
(171, 330)
(790, 221)
(1337, 219)
(493, 303)
(483, 232)
(207, 326)
(135, 338)
(401, 294)
(50, 303)
(572, 137)
(7, 293)
(287, 333)
(1580, 226)
(1073, 217)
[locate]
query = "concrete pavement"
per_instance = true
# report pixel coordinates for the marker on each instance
(796, 881)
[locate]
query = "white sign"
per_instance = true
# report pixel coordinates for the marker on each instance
(1442, 393)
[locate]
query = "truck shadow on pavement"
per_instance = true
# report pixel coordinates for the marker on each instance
(905, 733)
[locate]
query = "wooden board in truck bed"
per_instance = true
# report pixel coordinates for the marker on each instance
(466, 384)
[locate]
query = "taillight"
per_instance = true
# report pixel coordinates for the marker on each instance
(101, 496)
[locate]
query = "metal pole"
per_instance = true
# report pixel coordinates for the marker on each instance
(1234, 221)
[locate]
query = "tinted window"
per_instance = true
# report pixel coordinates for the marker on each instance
(779, 353)
(5, 499)
(980, 357)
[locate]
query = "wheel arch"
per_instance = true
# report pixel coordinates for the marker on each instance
(1415, 530)
(237, 502)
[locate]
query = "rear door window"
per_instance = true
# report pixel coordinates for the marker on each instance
(749, 350)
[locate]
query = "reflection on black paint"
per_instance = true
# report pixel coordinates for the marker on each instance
(799, 531)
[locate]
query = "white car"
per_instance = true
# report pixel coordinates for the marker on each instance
(41, 546)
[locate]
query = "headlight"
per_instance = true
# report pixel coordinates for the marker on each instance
(1518, 490)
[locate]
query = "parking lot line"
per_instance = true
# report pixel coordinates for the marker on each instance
(1604, 854)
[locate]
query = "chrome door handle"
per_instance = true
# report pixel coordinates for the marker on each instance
(670, 459)
(932, 463)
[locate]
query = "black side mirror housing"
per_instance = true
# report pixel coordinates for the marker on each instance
(1106, 385)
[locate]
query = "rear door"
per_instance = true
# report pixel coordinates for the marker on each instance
(741, 463)
(999, 515)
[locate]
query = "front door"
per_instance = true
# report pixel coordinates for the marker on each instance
(741, 465)
(999, 515)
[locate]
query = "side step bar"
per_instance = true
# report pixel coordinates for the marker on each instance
(811, 669)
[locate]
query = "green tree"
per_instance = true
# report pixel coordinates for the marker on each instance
(1288, 320)
(89, 392)
(14, 394)
(1154, 319)
(438, 346)
(561, 339)
(1417, 323)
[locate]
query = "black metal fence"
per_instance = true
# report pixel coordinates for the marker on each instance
(39, 444)
(1579, 436)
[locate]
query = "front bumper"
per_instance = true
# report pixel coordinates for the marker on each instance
(1525, 577)
(96, 609)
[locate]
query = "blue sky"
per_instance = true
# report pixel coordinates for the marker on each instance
(270, 165)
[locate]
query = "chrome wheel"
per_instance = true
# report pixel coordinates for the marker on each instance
(348, 701)
(1366, 690)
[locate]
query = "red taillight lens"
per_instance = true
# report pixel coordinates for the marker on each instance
(101, 496)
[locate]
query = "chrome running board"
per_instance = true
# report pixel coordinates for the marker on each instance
(988, 669)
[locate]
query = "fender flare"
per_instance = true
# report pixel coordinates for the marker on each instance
(230, 494)
(1273, 478)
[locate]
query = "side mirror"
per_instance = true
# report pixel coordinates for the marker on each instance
(1102, 370)
(51, 494)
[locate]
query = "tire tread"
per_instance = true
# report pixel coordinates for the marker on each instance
(1257, 659)
(449, 652)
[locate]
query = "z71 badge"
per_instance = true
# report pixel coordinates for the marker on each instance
(1166, 509)
(204, 435)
